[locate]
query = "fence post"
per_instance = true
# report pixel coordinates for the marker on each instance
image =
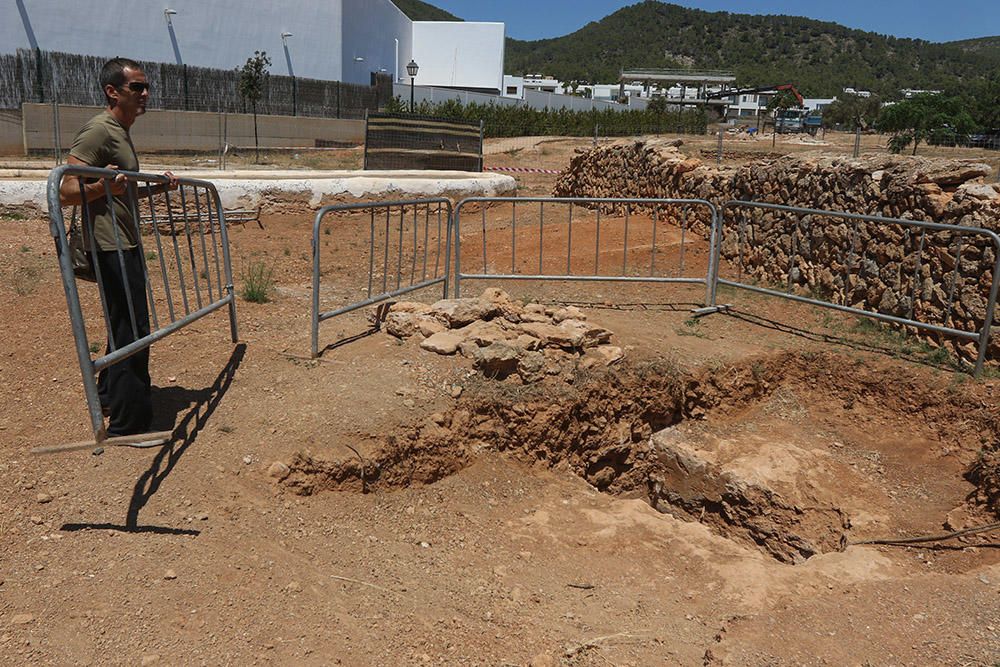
(857, 141)
(187, 97)
(481, 165)
(56, 133)
(718, 160)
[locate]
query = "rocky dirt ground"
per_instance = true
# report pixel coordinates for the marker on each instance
(698, 501)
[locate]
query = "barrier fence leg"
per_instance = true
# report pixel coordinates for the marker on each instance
(226, 258)
(80, 337)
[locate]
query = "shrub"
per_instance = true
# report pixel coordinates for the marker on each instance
(258, 281)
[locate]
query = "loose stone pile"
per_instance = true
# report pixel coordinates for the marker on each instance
(505, 338)
(875, 266)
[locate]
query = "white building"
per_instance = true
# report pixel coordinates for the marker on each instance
(342, 40)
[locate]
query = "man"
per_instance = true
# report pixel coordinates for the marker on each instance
(104, 141)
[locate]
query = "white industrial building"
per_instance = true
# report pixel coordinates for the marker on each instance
(340, 40)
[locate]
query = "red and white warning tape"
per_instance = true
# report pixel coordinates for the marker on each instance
(524, 170)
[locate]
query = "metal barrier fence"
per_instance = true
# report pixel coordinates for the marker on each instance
(907, 273)
(403, 237)
(194, 278)
(636, 264)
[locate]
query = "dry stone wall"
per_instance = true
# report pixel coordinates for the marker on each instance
(933, 277)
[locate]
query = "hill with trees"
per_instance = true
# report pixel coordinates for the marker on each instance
(416, 10)
(821, 58)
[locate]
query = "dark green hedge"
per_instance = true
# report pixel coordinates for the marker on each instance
(519, 121)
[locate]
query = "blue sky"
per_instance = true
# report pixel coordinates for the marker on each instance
(934, 21)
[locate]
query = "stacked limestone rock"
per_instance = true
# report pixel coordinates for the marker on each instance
(505, 338)
(866, 265)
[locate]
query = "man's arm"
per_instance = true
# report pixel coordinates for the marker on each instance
(69, 189)
(159, 188)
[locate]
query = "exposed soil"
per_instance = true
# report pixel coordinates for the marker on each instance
(699, 502)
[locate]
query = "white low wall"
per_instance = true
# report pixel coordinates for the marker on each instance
(311, 188)
(170, 131)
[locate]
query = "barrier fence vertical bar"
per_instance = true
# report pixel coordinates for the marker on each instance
(314, 316)
(714, 252)
(792, 254)
(652, 253)
(991, 306)
(121, 261)
(190, 244)
(741, 239)
(683, 238)
(57, 228)
(87, 229)
(385, 259)
(427, 222)
(371, 250)
(569, 242)
(597, 243)
(204, 249)
(956, 275)
(177, 253)
(482, 215)
(133, 200)
(159, 254)
(437, 251)
(513, 236)
(916, 273)
(456, 225)
(227, 259)
(625, 244)
(215, 245)
(541, 227)
(447, 247)
(399, 256)
(413, 265)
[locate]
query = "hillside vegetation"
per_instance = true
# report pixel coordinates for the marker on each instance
(820, 57)
(416, 10)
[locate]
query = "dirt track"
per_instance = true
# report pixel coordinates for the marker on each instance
(510, 524)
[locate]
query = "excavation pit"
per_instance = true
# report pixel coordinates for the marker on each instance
(795, 454)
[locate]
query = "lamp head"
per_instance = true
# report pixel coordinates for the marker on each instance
(412, 68)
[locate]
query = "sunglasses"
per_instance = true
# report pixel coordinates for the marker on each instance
(137, 86)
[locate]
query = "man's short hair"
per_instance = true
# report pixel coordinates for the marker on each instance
(113, 73)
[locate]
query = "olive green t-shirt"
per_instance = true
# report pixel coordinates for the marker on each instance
(103, 141)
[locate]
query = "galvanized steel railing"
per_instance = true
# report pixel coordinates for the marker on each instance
(490, 257)
(403, 237)
(854, 257)
(194, 277)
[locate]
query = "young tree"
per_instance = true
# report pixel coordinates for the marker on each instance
(853, 111)
(913, 120)
(253, 77)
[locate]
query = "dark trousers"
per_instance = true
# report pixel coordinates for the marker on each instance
(124, 387)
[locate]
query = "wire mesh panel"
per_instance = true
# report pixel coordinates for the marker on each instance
(406, 141)
(376, 251)
(938, 278)
(177, 239)
(581, 239)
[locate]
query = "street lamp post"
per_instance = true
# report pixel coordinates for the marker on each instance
(288, 61)
(411, 69)
(167, 14)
